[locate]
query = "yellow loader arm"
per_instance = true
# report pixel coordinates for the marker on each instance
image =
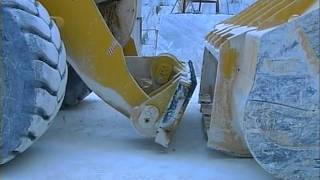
(152, 91)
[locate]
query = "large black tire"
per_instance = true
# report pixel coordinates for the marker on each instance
(33, 75)
(76, 90)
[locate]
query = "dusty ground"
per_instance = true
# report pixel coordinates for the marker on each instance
(95, 142)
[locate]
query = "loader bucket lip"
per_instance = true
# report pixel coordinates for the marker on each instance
(175, 111)
(175, 99)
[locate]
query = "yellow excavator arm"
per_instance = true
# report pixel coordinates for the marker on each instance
(152, 91)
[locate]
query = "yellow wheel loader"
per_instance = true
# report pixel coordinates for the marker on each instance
(259, 91)
(37, 39)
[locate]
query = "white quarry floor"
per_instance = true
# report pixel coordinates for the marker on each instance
(93, 142)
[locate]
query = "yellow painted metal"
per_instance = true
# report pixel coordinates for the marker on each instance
(143, 68)
(95, 54)
(130, 48)
(265, 14)
(235, 53)
(99, 60)
(295, 8)
(159, 100)
(261, 15)
(163, 69)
